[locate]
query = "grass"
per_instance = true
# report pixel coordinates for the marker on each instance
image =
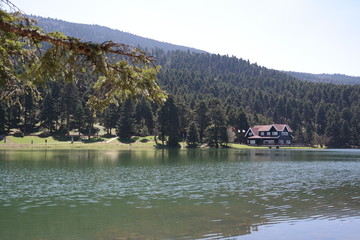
(242, 146)
(31, 142)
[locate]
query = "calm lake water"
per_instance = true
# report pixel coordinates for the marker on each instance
(200, 194)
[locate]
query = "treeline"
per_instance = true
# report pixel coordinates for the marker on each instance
(326, 78)
(213, 99)
(63, 110)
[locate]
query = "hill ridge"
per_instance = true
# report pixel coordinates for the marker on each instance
(97, 33)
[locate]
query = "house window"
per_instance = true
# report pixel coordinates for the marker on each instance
(274, 133)
(268, 133)
(261, 133)
(250, 134)
(284, 133)
(288, 142)
(281, 141)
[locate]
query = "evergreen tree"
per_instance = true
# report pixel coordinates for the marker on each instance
(242, 125)
(201, 119)
(126, 120)
(345, 137)
(173, 124)
(79, 120)
(14, 116)
(70, 104)
(49, 116)
(308, 134)
(29, 115)
(144, 118)
(168, 121)
(216, 133)
(183, 114)
(295, 120)
(3, 118)
(161, 128)
(320, 119)
(192, 136)
(333, 129)
(87, 125)
(110, 117)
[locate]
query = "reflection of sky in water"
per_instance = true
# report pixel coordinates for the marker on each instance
(315, 229)
(194, 194)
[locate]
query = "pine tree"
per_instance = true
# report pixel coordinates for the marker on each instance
(126, 120)
(173, 123)
(144, 118)
(3, 118)
(168, 123)
(110, 117)
(87, 125)
(70, 104)
(201, 119)
(29, 114)
(161, 128)
(49, 116)
(192, 136)
(333, 129)
(242, 125)
(320, 117)
(216, 133)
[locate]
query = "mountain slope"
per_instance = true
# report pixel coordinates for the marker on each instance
(326, 78)
(99, 34)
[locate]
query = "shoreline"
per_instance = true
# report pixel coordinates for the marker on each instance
(137, 143)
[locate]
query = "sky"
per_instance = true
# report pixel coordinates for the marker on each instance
(314, 36)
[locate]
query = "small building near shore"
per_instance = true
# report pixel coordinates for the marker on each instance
(274, 134)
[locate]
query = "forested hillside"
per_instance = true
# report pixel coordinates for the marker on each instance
(317, 110)
(326, 78)
(213, 99)
(99, 34)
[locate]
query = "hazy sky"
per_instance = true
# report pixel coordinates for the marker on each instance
(316, 36)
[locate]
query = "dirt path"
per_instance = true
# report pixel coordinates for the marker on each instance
(112, 139)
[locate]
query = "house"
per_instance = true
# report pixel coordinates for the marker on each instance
(279, 134)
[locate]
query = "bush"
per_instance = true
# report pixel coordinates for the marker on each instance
(19, 134)
(45, 134)
(93, 140)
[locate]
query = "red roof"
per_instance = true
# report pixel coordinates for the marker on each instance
(265, 128)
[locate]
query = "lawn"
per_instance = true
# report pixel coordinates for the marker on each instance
(27, 142)
(135, 142)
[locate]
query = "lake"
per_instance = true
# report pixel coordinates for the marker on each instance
(160, 194)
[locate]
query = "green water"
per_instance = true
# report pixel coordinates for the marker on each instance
(201, 194)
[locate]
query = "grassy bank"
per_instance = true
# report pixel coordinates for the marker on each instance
(36, 142)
